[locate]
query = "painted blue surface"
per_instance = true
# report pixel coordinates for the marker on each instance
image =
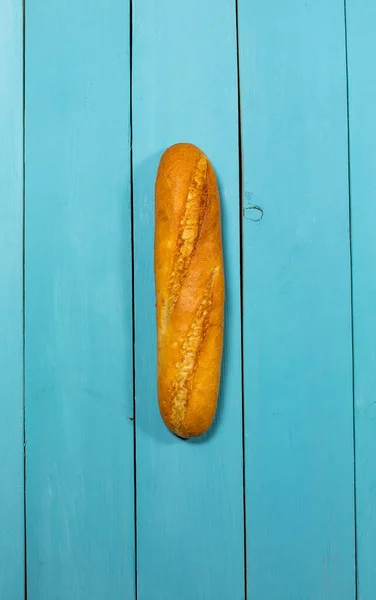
(79, 390)
(11, 336)
(308, 342)
(361, 23)
(190, 536)
(297, 308)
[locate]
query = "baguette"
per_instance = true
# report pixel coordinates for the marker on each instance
(189, 281)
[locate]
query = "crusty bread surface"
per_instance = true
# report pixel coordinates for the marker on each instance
(189, 279)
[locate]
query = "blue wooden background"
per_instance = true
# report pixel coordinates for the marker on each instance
(98, 500)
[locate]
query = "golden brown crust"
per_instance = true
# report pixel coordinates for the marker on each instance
(189, 280)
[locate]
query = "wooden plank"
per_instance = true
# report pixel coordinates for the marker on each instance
(79, 389)
(189, 493)
(11, 303)
(361, 48)
(297, 301)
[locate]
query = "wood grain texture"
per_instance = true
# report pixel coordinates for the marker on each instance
(79, 393)
(11, 309)
(361, 48)
(297, 307)
(189, 493)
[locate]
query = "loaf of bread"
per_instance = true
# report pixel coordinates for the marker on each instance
(189, 280)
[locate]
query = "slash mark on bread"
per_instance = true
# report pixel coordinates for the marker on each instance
(186, 366)
(189, 231)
